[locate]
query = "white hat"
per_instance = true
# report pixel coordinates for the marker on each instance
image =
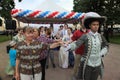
(12, 43)
(92, 16)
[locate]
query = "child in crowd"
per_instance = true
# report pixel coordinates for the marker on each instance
(12, 56)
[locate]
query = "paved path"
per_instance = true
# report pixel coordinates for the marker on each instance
(112, 65)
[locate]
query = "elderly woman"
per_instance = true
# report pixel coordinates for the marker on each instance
(28, 56)
(95, 47)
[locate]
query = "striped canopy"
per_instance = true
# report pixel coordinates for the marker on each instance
(39, 16)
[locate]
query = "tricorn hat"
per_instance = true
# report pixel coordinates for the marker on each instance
(92, 16)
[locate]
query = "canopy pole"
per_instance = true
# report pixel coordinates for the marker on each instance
(19, 24)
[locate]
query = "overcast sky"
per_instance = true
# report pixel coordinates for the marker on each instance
(32, 4)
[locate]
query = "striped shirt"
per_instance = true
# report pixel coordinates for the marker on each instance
(29, 56)
(45, 40)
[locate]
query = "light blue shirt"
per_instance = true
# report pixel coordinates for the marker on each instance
(95, 57)
(96, 51)
(12, 56)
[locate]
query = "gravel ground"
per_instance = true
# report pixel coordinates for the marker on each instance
(111, 61)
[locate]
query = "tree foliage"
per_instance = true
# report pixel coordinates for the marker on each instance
(19, 0)
(7, 6)
(109, 8)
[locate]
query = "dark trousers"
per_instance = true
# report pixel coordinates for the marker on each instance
(92, 73)
(43, 64)
(71, 59)
(51, 56)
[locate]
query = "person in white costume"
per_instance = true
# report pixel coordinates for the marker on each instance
(63, 54)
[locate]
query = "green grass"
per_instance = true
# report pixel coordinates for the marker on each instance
(115, 39)
(4, 38)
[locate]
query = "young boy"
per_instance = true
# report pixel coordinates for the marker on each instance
(96, 47)
(12, 56)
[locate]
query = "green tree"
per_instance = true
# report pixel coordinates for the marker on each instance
(109, 8)
(7, 6)
(19, 0)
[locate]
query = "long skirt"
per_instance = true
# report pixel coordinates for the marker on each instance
(63, 57)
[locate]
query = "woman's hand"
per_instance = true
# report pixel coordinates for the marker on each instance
(17, 76)
(62, 43)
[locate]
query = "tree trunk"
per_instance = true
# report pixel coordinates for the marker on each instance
(106, 32)
(111, 30)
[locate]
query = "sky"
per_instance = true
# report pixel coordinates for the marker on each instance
(32, 4)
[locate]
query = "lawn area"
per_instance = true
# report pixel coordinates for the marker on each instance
(115, 39)
(4, 38)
